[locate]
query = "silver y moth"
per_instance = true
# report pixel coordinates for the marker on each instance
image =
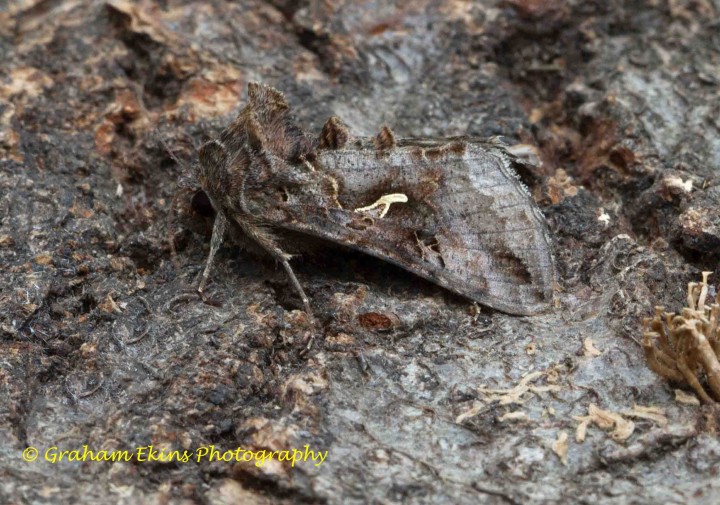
(452, 211)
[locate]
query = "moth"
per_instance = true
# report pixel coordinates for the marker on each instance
(452, 211)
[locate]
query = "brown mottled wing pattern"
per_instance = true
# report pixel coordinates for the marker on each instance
(451, 211)
(467, 223)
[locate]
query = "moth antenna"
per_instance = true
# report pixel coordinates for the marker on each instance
(385, 140)
(170, 152)
(334, 135)
(171, 228)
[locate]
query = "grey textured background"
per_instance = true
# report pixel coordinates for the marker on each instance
(103, 343)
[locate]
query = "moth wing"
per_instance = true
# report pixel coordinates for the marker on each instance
(467, 223)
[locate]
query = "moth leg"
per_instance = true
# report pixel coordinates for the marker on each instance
(296, 284)
(267, 242)
(218, 235)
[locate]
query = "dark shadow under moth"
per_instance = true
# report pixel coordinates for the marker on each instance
(452, 211)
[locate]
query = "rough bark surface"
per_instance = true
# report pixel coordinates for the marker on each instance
(417, 396)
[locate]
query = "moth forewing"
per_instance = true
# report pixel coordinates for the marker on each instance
(463, 220)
